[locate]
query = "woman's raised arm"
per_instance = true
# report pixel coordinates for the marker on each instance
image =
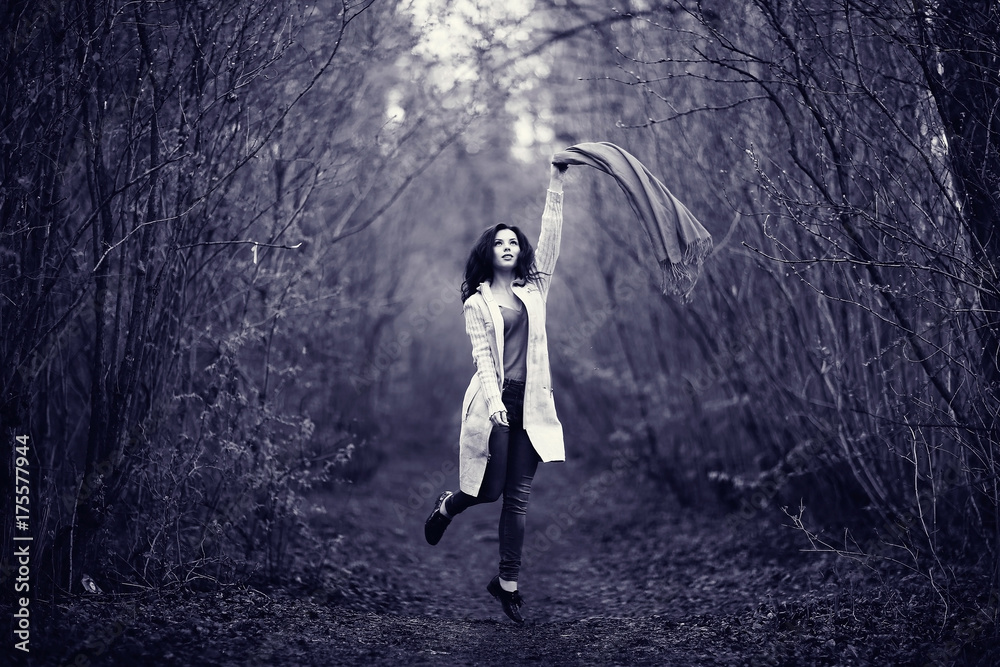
(549, 239)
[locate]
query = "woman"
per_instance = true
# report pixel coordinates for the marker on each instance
(509, 420)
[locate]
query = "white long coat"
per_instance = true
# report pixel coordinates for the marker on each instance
(484, 324)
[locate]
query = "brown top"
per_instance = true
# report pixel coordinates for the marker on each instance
(515, 342)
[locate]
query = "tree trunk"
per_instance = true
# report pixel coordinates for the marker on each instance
(965, 82)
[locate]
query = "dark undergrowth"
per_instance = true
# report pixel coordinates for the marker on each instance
(614, 574)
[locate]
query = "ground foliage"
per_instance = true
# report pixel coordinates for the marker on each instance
(615, 585)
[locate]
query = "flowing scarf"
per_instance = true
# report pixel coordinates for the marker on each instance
(678, 240)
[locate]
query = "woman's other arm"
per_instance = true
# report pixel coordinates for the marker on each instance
(482, 354)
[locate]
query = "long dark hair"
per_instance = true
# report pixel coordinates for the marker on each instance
(479, 268)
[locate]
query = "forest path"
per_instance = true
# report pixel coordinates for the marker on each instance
(586, 529)
(614, 573)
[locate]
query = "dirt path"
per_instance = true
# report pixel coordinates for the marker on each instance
(614, 574)
(596, 545)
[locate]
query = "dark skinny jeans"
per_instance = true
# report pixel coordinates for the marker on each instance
(510, 467)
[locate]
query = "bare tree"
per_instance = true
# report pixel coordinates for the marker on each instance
(183, 184)
(852, 320)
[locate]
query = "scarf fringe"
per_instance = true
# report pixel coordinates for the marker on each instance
(698, 250)
(672, 231)
(678, 280)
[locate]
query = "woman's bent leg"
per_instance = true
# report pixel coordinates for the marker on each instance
(522, 462)
(493, 478)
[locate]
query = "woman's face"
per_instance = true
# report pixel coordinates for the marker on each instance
(505, 250)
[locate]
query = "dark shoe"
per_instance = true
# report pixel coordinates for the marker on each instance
(510, 601)
(436, 522)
